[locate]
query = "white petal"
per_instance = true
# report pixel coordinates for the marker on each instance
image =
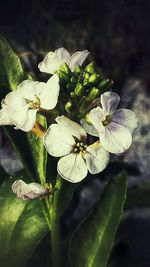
(89, 128)
(96, 117)
(57, 141)
(53, 60)
(126, 118)
(71, 127)
(116, 138)
(97, 158)
(48, 92)
(28, 191)
(4, 116)
(109, 101)
(72, 168)
(78, 58)
(26, 90)
(29, 122)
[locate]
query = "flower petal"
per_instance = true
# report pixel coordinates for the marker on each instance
(116, 138)
(48, 92)
(96, 117)
(97, 158)
(23, 118)
(4, 116)
(53, 60)
(71, 127)
(72, 168)
(109, 101)
(126, 118)
(89, 128)
(78, 58)
(28, 191)
(57, 141)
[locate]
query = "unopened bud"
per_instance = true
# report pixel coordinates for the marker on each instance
(94, 78)
(87, 119)
(79, 89)
(73, 79)
(72, 94)
(90, 68)
(86, 75)
(68, 106)
(62, 75)
(65, 68)
(78, 69)
(94, 92)
(105, 83)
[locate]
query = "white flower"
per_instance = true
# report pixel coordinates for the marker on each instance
(114, 127)
(67, 140)
(29, 191)
(53, 60)
(20, 107)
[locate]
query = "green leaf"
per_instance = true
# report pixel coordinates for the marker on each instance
(22, 227)
(29, 147)
(93, 240)
(11, 72)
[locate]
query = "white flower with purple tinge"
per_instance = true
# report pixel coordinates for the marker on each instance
(29, 191)
(68, 140)
(114, 127)
(20, 107)
(53, 60)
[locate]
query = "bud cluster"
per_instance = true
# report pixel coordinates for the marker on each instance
(80, 87)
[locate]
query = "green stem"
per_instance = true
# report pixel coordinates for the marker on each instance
(55, 225)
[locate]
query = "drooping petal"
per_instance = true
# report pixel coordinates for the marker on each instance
(71, 127)
(4, 116)
(126, 118)
(72, 168)
(96, 117)
(78, 58)
(89, 128)
(109, 101)
(57, 141)
(28, 191)
(29, 121)
(53, 60)
(116, 138)
(48, 92)
(97, 158)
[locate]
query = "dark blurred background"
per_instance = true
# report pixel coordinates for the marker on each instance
(118, 35)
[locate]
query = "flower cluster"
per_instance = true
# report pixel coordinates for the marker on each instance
(74, 93)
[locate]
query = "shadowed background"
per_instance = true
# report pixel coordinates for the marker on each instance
(117, 34)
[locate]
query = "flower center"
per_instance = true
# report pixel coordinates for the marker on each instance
(34, 104)
(79, 147)
(106, 121)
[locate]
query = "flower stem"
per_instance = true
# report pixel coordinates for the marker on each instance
(55, 225)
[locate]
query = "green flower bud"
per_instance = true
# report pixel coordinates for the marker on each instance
(68, 106)
(94, 78)
(94, 92)
(78, 69)
(79, 89)
(87, 119)
(105, 83)
(73, 79)
(72, 94)
(90, 68)
(86, 75)
(65, 68)
(62, 75)
(85, 82)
